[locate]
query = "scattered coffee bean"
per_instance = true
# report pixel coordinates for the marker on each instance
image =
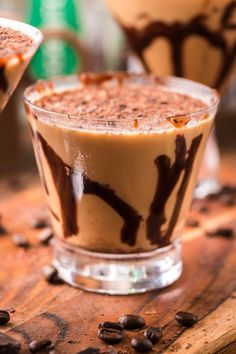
(9, 345)
(154, 334)
(89, 351)
(45, 236)
(110, 335)
(141, 345)
(38, 223)
(38, 345)
(4, 317)
(223, 232)
(114, 325)
(192, 223)
(132, 321)
(203, 209)
(122, 106)
(186, 319)
(51, 275)
(3, 231)
(20, 241)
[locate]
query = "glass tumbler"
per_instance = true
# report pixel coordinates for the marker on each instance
(118, 190)
(13, 65)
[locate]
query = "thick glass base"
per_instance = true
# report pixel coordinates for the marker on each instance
(118, 274)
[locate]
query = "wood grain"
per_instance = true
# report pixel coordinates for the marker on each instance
(70, 316)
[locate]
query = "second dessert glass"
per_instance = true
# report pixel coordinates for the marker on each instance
(118, 190)
(13, 66)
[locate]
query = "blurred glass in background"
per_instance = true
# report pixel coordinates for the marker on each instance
(79, 35)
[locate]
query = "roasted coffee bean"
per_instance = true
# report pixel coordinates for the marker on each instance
(89, 351)
(38, 223)
(154, 334)
(223, 232)
(203, 209)
(20, 241)
(38, 345)
(192, 223)
(114, 325)
(3, 231)
(51, 275)
(4, 317)
(110, 335)
(45, 236)
(132, 321)
(186, 319)
(9, 345)
(141, 345)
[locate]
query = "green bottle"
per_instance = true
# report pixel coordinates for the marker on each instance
(59, 19)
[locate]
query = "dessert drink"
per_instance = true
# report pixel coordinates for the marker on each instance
(194, 39)
(18, 43)
(118, 155)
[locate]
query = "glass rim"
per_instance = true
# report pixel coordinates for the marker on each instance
(34, 33)
(164, 80)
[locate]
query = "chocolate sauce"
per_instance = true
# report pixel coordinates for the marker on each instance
(3, 80)
(177, 33)
(168, 177)
(32, 135)
(127, 213)
(61, 174)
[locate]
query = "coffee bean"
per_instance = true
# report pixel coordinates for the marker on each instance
(203, 209)
(223, 232)
(45, 236)
(51, 275)
(192, 223)
(3, 231)
(132, 321)
(186, 319)
(114, 325)
(38, 223)
(9, 345)
(154, 334)
(89, 351)
(4, 317)
(37, 345)
(141, 345)
(110, 335)
(20, 241)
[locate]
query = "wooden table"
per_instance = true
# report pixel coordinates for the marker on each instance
(69, 316)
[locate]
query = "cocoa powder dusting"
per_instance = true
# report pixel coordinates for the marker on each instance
(13, 42)
(105, 97)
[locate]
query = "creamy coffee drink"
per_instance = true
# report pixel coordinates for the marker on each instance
(18, 42)
(118, 155)
(195, 39)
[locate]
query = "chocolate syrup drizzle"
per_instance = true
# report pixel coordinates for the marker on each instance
(168, 177)
(127, 213)
(177, 33)
(62, 176)
(3, 80)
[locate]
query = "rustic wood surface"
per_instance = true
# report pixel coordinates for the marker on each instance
(69, 316)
